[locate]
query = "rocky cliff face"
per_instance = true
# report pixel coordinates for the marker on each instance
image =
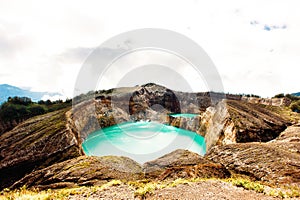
(183, 164)
(36, 143)
(275, 162)
(187, 123)
(234, 121)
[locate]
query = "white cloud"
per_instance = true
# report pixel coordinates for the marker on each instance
(42, 40)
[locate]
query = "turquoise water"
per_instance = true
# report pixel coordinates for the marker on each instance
(142, 141)
(187, 115)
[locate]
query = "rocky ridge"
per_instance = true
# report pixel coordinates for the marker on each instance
(234, 121)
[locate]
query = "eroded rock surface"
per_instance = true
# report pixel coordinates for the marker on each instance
(183, 164)
(36, 143)
(234, 121)
(84, 170)
(276, 162)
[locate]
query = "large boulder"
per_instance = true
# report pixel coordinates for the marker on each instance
(183, 164)
(275, 162)
(37, 143)
(84, 170)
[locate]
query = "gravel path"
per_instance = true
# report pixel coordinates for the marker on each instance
(210, 190)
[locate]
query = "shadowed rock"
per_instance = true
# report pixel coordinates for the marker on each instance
(183, 164)
(36, 143)
(276, 162)
(240, 122)
(84, 170)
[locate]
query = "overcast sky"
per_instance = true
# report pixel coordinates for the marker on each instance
(255, 45)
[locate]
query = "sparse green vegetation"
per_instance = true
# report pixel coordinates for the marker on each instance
(295, 106)
(143, 188)
(247, 184)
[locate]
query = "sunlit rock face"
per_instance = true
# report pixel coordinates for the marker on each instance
(239, 122)
(37, 143)
(275, 162)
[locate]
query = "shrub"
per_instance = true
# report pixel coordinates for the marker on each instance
(295, 106)
(281, 95)
(292, 97)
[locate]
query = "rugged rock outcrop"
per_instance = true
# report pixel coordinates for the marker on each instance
(275, 162)
(149, 102)
(183, 164)
(187, 123)
(84, 170)
(36, 143)
(269, 101)
(91, 170)
(234, 121)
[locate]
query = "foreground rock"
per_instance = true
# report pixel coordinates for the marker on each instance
(84, 170)
(34, 144)
(90, 170)
(276, 162)
(183, 164)
(234, 121)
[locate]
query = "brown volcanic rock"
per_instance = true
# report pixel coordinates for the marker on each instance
(234, 121)
(275, 162)
(288, 140)
(84, 170)
(36, 143)
(151, 94)
(187, 123)
(183, 164)
(140, 102)
(262, 161)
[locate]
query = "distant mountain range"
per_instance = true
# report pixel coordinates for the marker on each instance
(296, 94)
(12, 91)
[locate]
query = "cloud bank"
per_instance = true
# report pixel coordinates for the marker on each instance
(254, 44)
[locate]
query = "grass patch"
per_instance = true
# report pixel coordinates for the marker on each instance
(247, 184)
(59, 194)
(285, 192)
(144, 188)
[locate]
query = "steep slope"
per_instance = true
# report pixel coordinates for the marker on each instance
(36, 143)
(183, 164)
(239, 122)
(275, 162)
(84, 170)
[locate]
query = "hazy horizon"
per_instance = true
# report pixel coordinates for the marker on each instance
(253, 44)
